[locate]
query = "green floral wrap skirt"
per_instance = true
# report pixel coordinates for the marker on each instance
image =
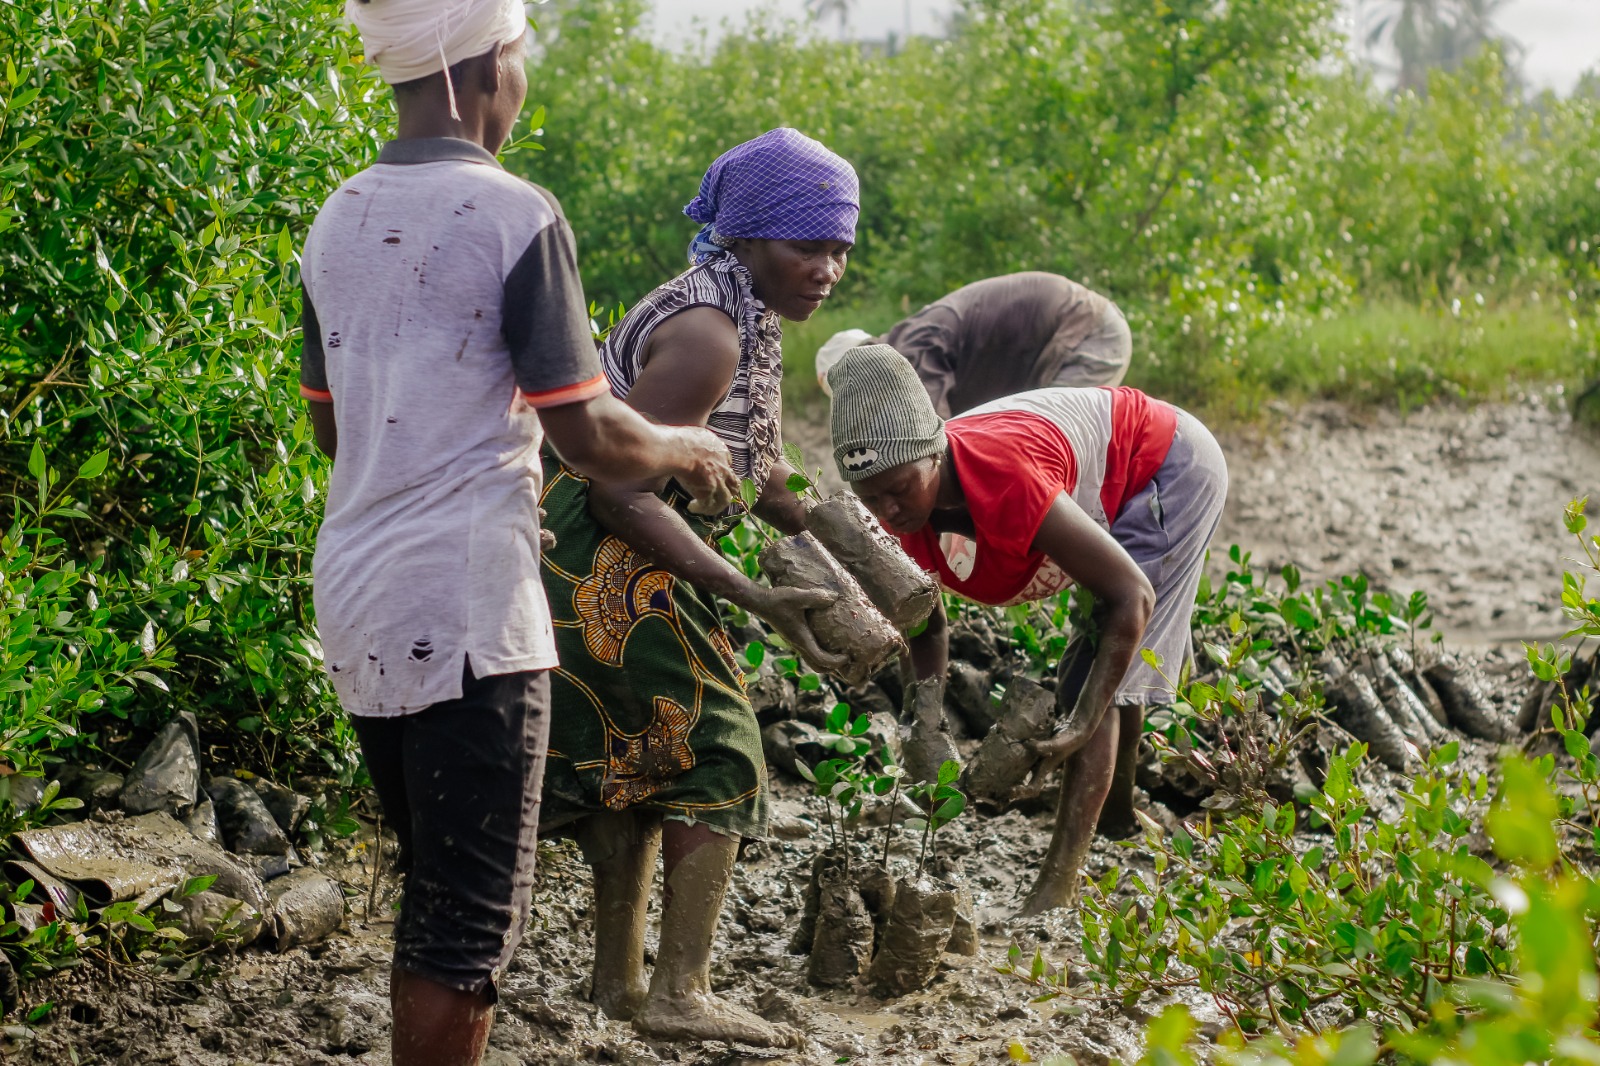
(648, 706)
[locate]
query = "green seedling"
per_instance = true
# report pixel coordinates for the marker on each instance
(942, 804)
(842, 782)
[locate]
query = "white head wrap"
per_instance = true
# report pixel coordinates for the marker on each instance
(831, 352)
(411, 39)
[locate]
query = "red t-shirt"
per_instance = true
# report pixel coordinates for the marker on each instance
(1015, 458)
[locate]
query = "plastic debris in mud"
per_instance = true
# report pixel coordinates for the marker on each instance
(1405, 707)
(897, 586)
(307, 907)
(1355, 706)
(248, 828)
(288, 807)
(166, 775)
(1469, 709)
(926, 743)
(850, 625)
(140, 859)
(1411, 674)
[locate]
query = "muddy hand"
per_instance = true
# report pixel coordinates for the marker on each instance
(706, 471)
(1058, 748)
(547, 537)
(784, 609)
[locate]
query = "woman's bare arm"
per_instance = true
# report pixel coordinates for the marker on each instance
(688, 368)
(1124, 600)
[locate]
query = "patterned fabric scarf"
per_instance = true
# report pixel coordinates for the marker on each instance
(781, 186)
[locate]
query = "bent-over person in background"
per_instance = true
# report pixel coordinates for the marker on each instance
(445, 332)
(1020, 498)
(1002, 336)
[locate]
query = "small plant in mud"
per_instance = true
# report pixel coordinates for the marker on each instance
(1387, 915)
(842, 782)
(941, 802)
(806, 486)
(1245, 752)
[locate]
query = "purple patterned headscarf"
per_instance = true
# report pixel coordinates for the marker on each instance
(783, 186)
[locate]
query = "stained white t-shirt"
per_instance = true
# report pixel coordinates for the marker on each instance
(443, 307)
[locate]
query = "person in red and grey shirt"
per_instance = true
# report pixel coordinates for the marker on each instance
(445, 333)
(1018, 499)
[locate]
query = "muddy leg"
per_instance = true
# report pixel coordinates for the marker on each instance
(435, 1025)
(1116, 817)
(621, 847)
(681, 1005)
(1083, 793)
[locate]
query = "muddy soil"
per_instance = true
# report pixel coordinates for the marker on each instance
(1462, 504)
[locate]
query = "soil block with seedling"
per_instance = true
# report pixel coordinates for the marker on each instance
(926, 743)
(897, 586)
(922, 917)
(850, 625)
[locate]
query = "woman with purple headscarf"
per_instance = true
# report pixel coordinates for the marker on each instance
(654, 748)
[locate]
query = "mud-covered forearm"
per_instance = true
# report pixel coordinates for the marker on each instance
(778, 506)
(930, 649)
(664, 539)
(1122, 629)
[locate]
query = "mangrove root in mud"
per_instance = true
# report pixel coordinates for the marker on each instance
(1359, 711)
(848, 626)
(841, 946)
(925, 738)
(1460, 688)
(898, 587)
(1005, 757)
(916, 934)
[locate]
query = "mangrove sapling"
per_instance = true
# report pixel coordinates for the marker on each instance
(922, 917)
(942, 804)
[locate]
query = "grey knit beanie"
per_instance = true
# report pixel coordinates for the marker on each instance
(882, 416)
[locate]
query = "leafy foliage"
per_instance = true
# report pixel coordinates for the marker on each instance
(161, 163)
(1205, 164)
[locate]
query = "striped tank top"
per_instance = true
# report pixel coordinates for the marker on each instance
(747, 418)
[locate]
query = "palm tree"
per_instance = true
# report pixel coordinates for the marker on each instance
(821, 9)
(1435, 33)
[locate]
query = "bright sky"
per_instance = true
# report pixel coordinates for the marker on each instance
(1562, 37)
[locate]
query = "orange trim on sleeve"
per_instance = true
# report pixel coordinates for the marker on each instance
(583, 390)
(317, 395)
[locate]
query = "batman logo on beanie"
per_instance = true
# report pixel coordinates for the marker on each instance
(860, 458)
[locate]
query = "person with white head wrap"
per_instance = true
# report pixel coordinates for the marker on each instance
(411, 39)
(443, 316)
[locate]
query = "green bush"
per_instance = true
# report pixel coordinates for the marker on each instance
(1204, 164)
(161, 162)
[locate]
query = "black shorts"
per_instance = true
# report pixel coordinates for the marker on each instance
(459, 782)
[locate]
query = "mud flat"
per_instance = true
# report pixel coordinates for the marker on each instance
(1464, 505)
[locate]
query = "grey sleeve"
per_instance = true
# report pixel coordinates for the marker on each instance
(313, 361)
(546, 322)
(926, 345)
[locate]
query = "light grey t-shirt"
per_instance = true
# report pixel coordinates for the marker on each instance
(443, 307)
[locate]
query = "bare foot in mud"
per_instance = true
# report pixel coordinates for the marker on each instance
(621, 1003)
(1047, 895)
(703, 1016)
